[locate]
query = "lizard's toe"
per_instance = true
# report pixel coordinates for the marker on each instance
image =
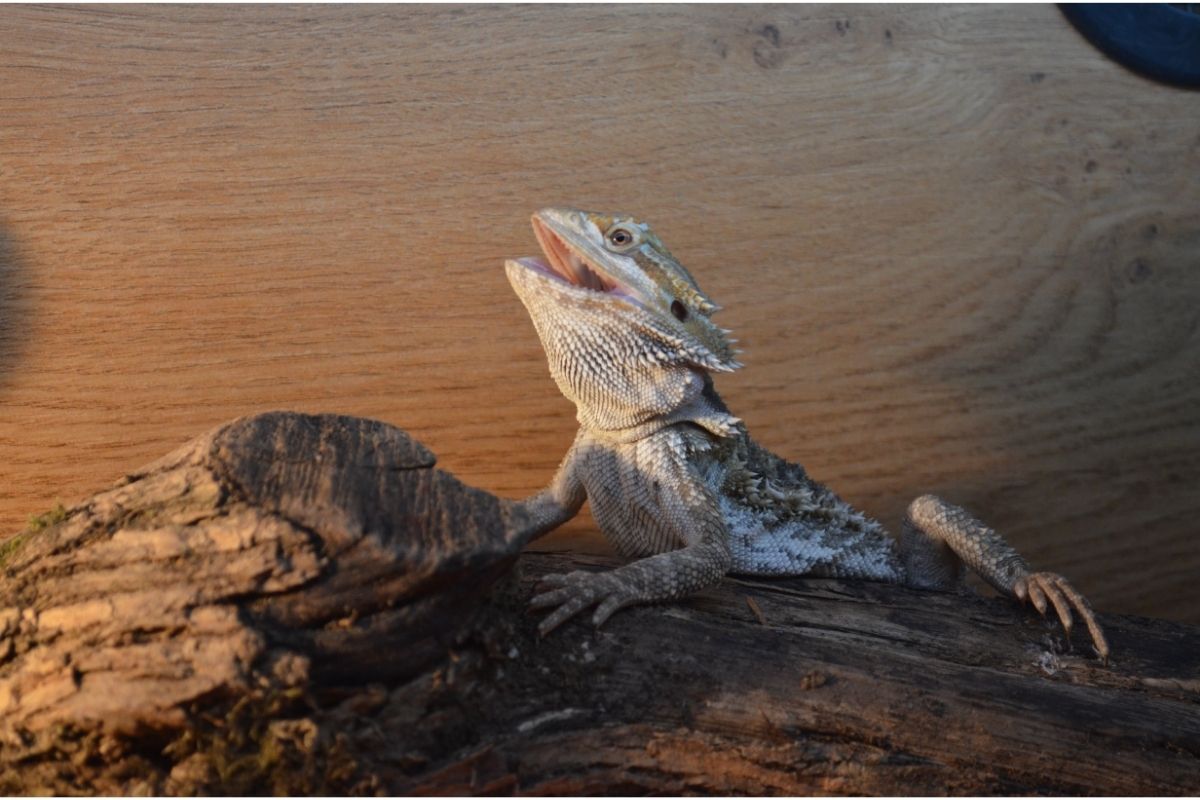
(552, 598)
(556, 579)
(571, 592)
(574, 591)
(1052, 586)
(611, 604)
(1037, 595)
(569, 608)
(1038, 587)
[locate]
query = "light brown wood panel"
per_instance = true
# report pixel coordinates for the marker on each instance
(959, 246)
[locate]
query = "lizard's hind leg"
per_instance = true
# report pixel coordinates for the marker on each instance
(937, 538)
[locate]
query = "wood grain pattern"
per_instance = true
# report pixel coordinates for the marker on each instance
(959, 246)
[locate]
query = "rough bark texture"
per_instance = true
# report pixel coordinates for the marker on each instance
(303, 604)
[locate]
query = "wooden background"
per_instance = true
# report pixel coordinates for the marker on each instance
(961, 248)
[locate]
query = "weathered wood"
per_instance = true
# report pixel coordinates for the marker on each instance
(957, 243)
(323, 543)
(302, 604)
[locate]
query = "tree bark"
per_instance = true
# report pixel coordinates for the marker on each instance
(307, 604)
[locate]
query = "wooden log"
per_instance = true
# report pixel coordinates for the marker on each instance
(306, 604)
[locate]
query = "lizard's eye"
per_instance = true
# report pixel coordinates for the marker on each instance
(679, 310)
(620, 237)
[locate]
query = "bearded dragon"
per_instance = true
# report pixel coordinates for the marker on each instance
(674, 480)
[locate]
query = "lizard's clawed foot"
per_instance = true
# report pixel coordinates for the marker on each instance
(574, 591)
(1039, 587)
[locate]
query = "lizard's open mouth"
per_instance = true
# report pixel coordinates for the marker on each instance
(568, 264)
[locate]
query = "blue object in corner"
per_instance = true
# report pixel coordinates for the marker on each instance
(1158, 40)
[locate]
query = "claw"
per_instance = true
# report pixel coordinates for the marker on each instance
(1037, 595)
(1088, 617)
(1039, 586)
(1054, 592)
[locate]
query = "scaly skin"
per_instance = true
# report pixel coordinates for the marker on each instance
(674, 480)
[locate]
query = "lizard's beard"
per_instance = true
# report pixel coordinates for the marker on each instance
(624, 384)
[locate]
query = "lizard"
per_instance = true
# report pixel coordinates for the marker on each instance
(674, 480)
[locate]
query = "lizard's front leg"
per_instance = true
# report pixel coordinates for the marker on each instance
(558, 502)
(937, 535)
(692, 513)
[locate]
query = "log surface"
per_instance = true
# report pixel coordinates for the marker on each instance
(957, 243)
(306, 604)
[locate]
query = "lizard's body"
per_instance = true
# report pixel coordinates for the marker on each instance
(674, 480)
(779, 522)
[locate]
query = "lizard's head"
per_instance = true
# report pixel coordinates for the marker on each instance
(620, 319)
